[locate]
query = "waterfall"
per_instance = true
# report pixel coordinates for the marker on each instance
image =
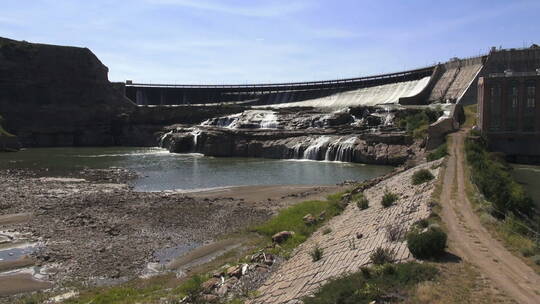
(196, 132)
(269, 121)
(249, 119)
(164, 137)
(388, 117)
(316, 149)
(297, 152)
(357, 122)
(341, 150)
(229, 122)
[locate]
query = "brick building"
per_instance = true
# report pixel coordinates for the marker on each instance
(509, 113)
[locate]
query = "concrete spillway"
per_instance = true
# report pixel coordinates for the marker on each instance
(458, 79)
(372, 96)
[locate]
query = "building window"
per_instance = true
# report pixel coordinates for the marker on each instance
(512, 108)
(530, 102)
(495, 107)
(531, 96)
(514, 98)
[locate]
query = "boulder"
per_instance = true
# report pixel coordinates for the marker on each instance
(309, 219)
(210, 284)
(222, 290)
(235, 271)
(282, 236)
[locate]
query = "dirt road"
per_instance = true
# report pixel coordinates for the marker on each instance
(472, 242)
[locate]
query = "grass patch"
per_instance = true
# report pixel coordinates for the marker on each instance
(141, 291)
(291, 219)
(438, 153)
(361, 201)
(378, 284)
(421, 176)
(388, 199)
(470, 115)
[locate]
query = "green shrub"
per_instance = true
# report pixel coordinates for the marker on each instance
(536, 259)
(366, 272)
(382, 256)
(389, 269)
(363, 203)
(527, 251)
(388, 199)
(367, 285)
(316, 254)
(421, 176)
(423, 223)
(490, 173)
(426, 244)
(438, 153)
(416, 124)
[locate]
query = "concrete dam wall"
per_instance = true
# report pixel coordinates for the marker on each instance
(372, 96)
(454, 81)
(390, 86)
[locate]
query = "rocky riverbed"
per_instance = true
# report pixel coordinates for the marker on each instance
(91, 227)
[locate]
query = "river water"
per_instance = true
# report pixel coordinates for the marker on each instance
(160, 170)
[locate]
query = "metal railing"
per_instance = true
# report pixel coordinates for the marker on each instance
(291, 84)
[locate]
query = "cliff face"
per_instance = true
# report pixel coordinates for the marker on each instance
(58, 96)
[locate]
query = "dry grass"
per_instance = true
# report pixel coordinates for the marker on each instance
(470, 115)
(457, 283)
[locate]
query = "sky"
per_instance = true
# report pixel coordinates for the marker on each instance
(252, 41)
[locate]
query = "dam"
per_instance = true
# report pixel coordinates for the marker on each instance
(448, 82)
(454, 81)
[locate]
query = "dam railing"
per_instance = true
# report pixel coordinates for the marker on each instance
(424, 70)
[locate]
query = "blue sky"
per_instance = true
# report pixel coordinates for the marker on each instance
(251, 41)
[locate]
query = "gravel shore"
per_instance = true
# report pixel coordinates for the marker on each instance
(92, 227)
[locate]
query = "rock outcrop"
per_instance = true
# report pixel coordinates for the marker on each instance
(325, 144)
(53, 95)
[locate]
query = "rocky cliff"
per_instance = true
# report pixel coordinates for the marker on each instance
(55, 95)
(61, 96)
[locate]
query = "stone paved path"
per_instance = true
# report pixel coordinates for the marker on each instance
(343, 252)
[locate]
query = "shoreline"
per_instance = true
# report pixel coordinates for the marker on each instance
(94, 229)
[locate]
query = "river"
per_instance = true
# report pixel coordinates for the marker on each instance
(160, 170)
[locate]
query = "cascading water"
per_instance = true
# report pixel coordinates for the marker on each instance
(316, 149)
(164, 137)
(388, 117)
(250, 119)
(228, 122)
(196, 132)
(269, 121)
(341, 150)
